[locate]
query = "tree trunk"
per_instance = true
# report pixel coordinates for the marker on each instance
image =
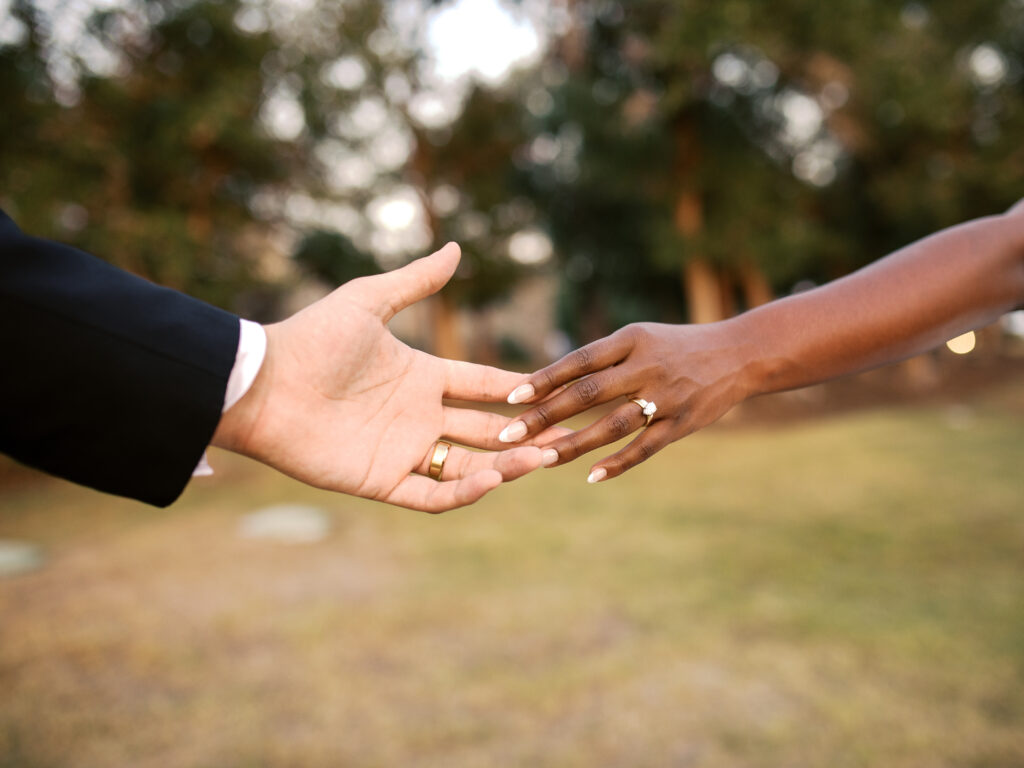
(484, 347)
(700, 282)
(447, 339)
(703, 296)
(727, 293)
(756, 289)
(573, 45)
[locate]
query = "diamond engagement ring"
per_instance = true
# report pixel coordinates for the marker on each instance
(648, 407)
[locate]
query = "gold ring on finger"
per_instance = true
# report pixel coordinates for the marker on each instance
(438, 458)
(647, 406)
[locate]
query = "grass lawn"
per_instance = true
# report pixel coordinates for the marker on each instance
(841, 592)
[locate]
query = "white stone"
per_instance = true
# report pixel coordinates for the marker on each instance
(18, 557)
(286, 523)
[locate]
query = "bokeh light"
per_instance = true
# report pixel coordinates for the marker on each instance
(962, 344)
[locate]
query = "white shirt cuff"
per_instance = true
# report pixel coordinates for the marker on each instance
(252, 348)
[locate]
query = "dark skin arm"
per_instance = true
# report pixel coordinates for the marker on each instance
(914, 299)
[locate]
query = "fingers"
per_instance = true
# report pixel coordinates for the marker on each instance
(461, 462)
(426, 495)
(625, 419)
(645, 445)
(593, 357)
(393, 291)
(548, 436)
(483, 383)
(510, 464)
(479, 429)
(592, 390)
(465, 477)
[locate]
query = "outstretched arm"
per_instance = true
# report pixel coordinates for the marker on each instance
(914, 299)
(341, 404)
(107, 380)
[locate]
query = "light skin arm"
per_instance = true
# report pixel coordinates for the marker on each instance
(956, 280)
(341, 404)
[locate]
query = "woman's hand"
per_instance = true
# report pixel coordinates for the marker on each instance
(964, 277)
(692, 373)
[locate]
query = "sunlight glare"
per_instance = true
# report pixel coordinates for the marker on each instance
(962, 344)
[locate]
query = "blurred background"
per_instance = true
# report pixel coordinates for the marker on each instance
(832, 576)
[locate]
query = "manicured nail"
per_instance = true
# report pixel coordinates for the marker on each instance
(512, 432)
(521, 393)
(548, 457)
(597, 475)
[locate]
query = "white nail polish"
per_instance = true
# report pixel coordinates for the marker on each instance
(512, 432)
(597, 475)
(548, 457)
(521, 393)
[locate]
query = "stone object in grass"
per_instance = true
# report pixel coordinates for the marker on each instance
(286, 523)
(18, 557)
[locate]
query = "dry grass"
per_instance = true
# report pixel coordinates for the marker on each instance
(847, 592)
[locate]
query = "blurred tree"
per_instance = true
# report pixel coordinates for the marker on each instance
(683, 157)
(472, 193)
(175, 139)
(139, 140)
(334, 258)
(393, 143)
(754, 144)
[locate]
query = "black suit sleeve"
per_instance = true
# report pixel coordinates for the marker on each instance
(106, 379)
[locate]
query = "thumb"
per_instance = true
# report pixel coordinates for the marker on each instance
(393, 291)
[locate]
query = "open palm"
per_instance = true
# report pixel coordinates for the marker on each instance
(341, 404)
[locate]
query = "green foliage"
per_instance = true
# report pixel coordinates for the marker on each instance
(334, 258)
(160, 162)
(152, 167)
(599, 183)
(916, 139)
(477, 160)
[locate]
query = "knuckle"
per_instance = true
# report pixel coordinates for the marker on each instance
(615, 466)
(635, 332)
(619, 426)
(582, 359)
(547, 379)
(586, 391)
(542, 415)
(572, 448)
(645, 451)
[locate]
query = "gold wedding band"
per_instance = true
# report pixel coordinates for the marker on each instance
(438, 459)
(647, 407)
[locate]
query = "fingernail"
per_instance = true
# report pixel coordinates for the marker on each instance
(512, 432)
(548, 457)
(597, 475)
(521, 393)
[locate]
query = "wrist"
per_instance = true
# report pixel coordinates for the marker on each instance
(237, 423)
(756, 365)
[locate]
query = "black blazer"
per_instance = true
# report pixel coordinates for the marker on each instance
(106, 379)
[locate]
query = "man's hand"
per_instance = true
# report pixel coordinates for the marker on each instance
(341, 404)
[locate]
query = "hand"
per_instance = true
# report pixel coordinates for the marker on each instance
(341, 404)
(693, 373)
